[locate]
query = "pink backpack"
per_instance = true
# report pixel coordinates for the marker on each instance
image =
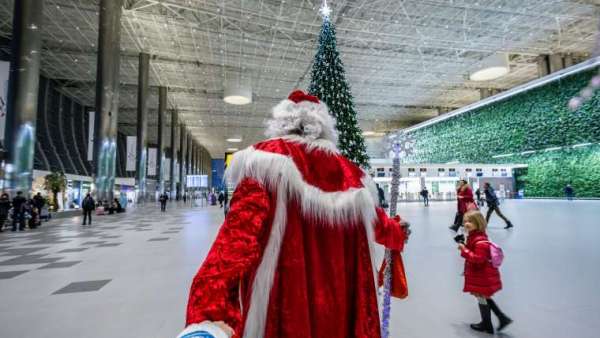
(496, 254)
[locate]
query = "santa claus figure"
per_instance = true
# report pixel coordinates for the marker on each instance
(295, 255)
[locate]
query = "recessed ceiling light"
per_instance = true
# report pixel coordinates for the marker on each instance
(232, 149)
(491, 68)
(370, 133)
(234, 140)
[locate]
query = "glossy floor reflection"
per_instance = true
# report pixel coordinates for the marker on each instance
(128, 276)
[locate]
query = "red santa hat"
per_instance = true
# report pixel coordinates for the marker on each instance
(303, 115)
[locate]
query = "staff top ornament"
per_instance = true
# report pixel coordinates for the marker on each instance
(400, 145)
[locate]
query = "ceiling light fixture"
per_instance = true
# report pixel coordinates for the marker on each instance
(234, 140)
(492, 67)
(238, 94)
(232, 149)
(370, 133)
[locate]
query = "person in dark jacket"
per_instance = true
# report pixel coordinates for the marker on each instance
(39, 201)
(569, 192)
(221, 199)
(482, 279)
(163, 201)
(31, 214)
(88, 205)
(381, 195)
(4, 209)
(18, 204)
(493, 204)
(425, 194)
(479, 199)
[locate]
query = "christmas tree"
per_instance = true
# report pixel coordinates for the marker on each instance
(329, 85)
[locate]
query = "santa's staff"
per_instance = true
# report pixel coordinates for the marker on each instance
(398, 149)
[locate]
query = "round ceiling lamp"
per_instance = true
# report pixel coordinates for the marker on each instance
(234, 140)
(238, 94)
(491, 68)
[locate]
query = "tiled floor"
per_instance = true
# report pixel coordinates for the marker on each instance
(128, 275)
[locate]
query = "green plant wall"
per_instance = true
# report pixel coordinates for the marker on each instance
(531, 121)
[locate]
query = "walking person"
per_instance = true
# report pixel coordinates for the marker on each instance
(493, 205)
(381, 196)
(425, 195)
(569, 192)
(4, 209)
(465, 202)
(482, 277)
(88, 205)
(18, 204)
(221, 198)
(31, 214)
(163, 198)
(478, 196)
(39, 201)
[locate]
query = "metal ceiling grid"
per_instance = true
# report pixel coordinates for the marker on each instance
(403, 58)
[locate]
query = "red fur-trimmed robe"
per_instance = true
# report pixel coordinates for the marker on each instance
(294, 257)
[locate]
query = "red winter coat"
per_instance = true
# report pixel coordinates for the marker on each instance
(480, 276)
(465, 198)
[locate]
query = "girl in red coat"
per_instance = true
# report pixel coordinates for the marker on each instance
(482, 279)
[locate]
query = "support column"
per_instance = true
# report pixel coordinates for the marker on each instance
(556, 62)
(543, 64)
(182, 150)
(173, 176)
(484, 93)
(24, 80)
(142, 126)
(188, 154)
(162, 106)
(197, 159)
(107, 97)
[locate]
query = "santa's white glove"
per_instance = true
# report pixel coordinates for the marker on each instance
(207, 330)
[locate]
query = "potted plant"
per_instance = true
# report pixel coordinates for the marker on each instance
(55, 182)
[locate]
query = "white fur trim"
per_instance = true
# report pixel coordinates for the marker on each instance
(263, 282)
(308, 119)
(368, 183)
(207, 326)
(279, 173)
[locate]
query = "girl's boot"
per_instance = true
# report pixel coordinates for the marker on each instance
(503, 318)
(486, 320)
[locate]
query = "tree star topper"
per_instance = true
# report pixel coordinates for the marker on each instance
(325, 10)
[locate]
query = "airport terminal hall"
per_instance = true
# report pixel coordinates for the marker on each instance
(299, 168)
